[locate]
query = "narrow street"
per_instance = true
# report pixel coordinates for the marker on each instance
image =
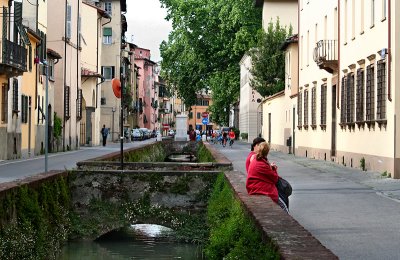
(353, 213)
(16, 169)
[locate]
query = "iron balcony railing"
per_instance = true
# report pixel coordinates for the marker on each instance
(13, 54)
(325, 51)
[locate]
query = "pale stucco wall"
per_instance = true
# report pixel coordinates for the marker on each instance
(286, 11)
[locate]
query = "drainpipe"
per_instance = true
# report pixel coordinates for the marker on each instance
(77, 75)
(389, 50)
(65, 70)
(338, 77)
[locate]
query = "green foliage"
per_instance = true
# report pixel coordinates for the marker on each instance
(233, 234)
(57, 126)
(204, 155)
(362, 164)
(268, 60)
(35, 221)
(205, 47)
(244, 136)
(151, 153)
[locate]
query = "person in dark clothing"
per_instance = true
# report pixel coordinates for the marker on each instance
(104, 134)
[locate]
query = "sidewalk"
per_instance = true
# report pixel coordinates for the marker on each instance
(381, 184)
(353, 213)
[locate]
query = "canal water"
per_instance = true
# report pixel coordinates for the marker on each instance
(143, 243)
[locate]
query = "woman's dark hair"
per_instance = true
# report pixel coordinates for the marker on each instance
(256, 141)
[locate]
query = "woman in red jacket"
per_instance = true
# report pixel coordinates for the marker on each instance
(262, 176)
(253, 150)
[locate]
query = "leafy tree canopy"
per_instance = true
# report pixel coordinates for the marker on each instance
(204, 49)
(268, 60)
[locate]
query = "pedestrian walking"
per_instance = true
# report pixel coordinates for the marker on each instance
(104, 134)
(232, 137)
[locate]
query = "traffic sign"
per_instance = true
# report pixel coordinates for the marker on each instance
(205, 120)
(204, 114)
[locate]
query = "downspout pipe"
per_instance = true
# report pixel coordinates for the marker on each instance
(65, 70)
(339, 45)
(389, 58)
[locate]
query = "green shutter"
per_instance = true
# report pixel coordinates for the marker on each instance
(107, 31)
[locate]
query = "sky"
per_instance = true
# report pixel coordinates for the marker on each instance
(147, 27)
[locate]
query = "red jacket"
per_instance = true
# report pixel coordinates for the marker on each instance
(248, 160)
(261, 179)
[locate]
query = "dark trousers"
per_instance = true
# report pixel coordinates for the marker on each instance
(104, 140)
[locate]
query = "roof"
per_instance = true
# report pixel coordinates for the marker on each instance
(292, 39)
(53, 54)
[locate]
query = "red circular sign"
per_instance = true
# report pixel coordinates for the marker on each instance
(204, 114)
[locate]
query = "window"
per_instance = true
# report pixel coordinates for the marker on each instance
(15, 96)
(323, 104)
(190, 115)
(313, 107)
(108, 72)
(51, 69)
(24, 109)
(79, 105)
(107, 35)
(362, 17)
(350, 98)
(360, 96)
(69, 21)
(305, 108)
(343, 100)
(299, 110)
(372, 13)
(67, 102)
(108, 8)
(4, 103)
(381, 91)
(369, 99)
(384, 9)
(198, 115)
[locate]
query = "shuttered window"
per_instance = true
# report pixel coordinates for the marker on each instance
(15, 96)
(4, 103)
(360, 96)
(107, 35)
(305, 108)
(68, 32)
(24, 109)
(381, 91)
(350, 98)
(370, 94)
(323, 104)
(314, 106)
(67, 108)
(79, 105)
(299, 110)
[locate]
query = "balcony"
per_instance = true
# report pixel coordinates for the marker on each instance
(326, 56)
(12, 58)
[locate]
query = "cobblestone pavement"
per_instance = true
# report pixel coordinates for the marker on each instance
(351, 212)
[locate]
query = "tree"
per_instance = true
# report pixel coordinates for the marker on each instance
(204, 49)
(268, 60)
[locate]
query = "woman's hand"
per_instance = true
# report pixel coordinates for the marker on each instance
(274, 166)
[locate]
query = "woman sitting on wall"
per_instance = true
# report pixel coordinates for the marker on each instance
(262, 176)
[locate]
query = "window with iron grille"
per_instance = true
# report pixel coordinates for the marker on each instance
(4, 103)
(381, 91)
(314, 106)
(67, 102)
(323, 103)
(24, 109)
(305, 108)
(370, 94)
(343, 100)
(79, 105)
(360, 96)
(15, 96)
(299, 110)
(350, 98)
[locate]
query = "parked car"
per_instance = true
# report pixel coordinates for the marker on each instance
(137, 134)
(171, 132)
(146, 133)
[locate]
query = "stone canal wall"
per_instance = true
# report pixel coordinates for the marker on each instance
(108, 198)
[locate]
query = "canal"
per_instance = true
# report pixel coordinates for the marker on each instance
(137, 242)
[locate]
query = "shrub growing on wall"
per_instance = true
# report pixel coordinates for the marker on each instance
(233, 234)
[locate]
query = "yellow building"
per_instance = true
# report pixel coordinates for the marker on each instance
(13, 63)
(198, 112)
